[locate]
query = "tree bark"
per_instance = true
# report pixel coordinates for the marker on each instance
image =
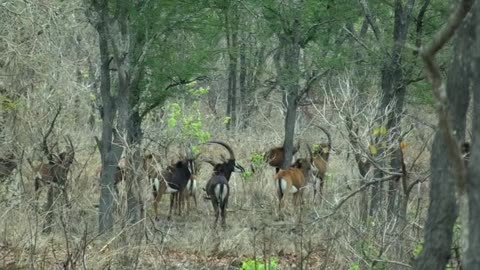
(443, 209)
(289, 76)
(393, 90)
(242, 80)
(110, 153)
(231, 28)
(472, 260)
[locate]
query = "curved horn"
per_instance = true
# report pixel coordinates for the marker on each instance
(229, 149)
(209, 161)
(326, 133)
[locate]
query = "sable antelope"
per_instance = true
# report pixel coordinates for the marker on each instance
(173, 180)
(217, 188)
(7, 165)
(228, 166)
(293, 180)
(319, 162)
(188, 193)
(274, 156)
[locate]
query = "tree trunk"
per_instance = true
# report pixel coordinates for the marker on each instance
(134, 191)
(256, 73)
(110, 153)
(393, 90)
(442, 211)
(472, 260)
(242, 81)
(291, 105)
(231, 21)
(291, 76)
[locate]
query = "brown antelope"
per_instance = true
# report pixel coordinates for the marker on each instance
(292, 181)
(274, 156)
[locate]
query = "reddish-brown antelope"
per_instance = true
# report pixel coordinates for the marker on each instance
(293, 181)
(274, 156)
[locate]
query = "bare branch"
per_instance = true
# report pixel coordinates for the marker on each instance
(353, 193)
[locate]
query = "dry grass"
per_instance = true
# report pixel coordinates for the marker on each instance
(190, 241)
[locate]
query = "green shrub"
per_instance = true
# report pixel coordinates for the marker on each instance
(251, 264)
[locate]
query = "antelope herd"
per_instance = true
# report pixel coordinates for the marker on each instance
(179, 179)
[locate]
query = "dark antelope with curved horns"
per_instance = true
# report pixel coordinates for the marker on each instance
(217, 187)
(173, 180)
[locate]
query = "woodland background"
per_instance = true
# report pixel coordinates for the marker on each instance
(121, 77)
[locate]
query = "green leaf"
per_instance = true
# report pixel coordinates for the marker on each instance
(373, 149)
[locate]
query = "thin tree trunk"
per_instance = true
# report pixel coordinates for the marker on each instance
(110, 153)
(291, 76)
(232, 44)
(393, 90)
(242, 81)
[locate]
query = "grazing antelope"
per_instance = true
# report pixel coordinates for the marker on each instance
(274, 156)
(7, 165)
(293, 180)
(173, 180)
(319, 162)
(217, 188)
